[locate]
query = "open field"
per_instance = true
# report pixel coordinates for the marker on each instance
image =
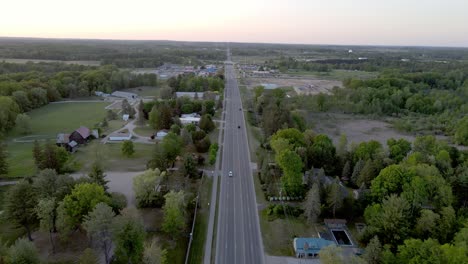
(22, 61)
(55, 118)
(46, 122)
(356, 128)
(301, 85)
(112, 158)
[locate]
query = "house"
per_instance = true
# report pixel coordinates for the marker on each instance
(189, 120)
(63, 140)
(309, 247)
(191, 95)
(125, 95)
(81, 135)
(125, 117)
(189, 115)
(161, 134)
(120, 136)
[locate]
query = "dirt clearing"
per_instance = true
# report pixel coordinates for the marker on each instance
(302, 85)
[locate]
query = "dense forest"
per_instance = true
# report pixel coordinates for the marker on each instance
(24, 87)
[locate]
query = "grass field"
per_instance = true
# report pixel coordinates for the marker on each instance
(46, 122)
(111, 156)
(144, 131)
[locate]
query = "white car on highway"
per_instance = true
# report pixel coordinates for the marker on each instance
(230, 173)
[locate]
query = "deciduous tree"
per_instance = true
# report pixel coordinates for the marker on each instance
(129, 237)
(174, 221)
(99, 225)
(20, 204)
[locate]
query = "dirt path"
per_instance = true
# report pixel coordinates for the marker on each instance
(130, 126)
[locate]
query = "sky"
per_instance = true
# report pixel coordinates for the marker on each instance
(342, 22)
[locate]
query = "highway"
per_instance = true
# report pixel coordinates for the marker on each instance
(238, 238)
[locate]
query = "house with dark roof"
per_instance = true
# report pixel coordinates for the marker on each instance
(309, 247)
(63, 140)
(81, 135)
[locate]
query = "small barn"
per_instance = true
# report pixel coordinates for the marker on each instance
(81, 135)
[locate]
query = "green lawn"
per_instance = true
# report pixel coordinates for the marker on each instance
(110, 155)
(144, 131)
(201, 224)
(46, 123)
(64, 117)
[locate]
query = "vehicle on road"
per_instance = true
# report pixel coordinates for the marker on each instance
(230, 173)
(238, 126)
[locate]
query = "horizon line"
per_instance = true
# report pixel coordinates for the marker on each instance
(239, 42)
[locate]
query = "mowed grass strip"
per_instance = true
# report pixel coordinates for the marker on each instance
(64, 117)
(201, 223)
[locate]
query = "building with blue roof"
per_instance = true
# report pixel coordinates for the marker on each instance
(307, 247)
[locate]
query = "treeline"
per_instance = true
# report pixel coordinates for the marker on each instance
(193, 83)
(377, 63)
(408, 193)
(128, 54)
(29, 86)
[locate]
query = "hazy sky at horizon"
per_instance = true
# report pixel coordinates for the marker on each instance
(372, 22)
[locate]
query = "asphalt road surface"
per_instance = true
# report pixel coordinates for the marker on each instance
(238, 231)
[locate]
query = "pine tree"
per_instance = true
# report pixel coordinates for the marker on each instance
(346, 171)
(141, 114)
(97, 175)
(373, 252)
(356, 171)
(37, 154)
(335, 199)
(312, 206)
(3, 161)
(368, 173)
